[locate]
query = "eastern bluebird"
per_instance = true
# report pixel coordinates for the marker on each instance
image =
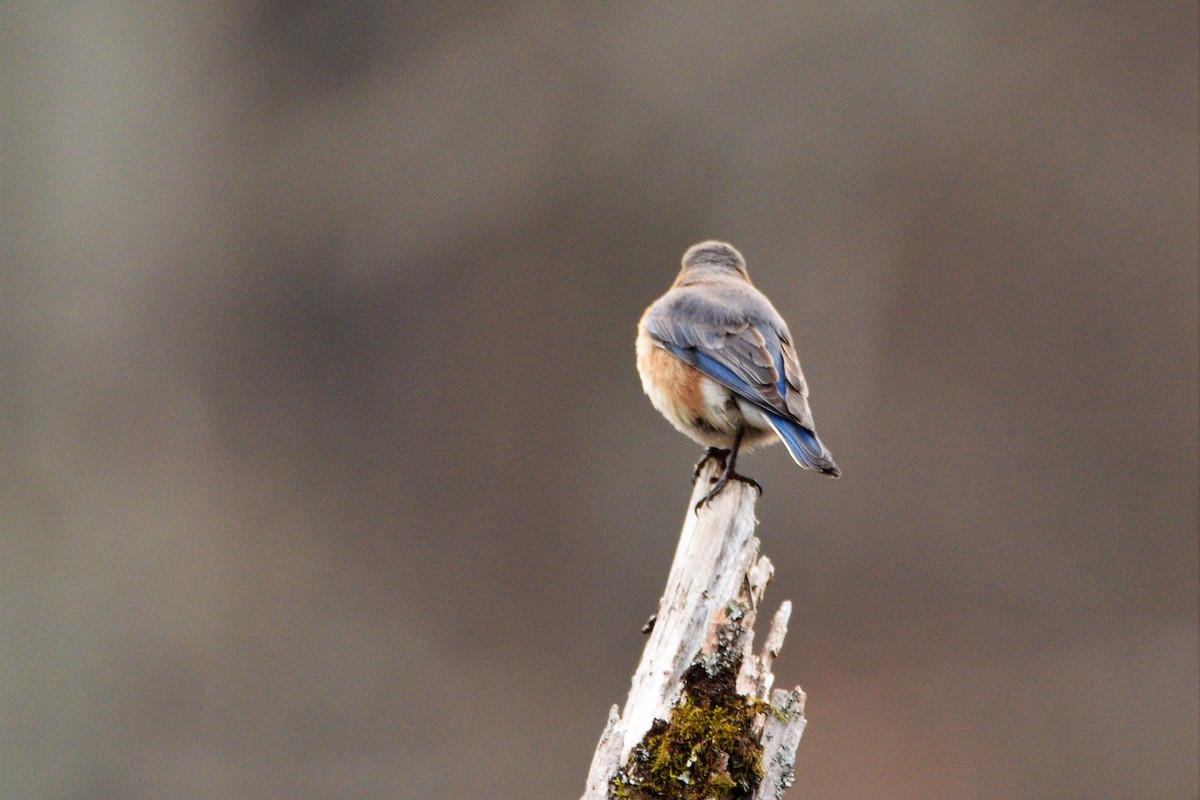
(717, 361)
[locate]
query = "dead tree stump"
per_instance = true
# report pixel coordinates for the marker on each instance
(702, 719)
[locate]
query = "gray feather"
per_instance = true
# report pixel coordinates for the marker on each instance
(731, 322)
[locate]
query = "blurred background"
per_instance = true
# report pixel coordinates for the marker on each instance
(325, 471)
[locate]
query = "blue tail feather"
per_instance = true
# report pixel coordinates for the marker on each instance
(804, 446)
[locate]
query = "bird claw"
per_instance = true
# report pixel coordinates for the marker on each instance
(719, 453)
(720, 484)
(750, 481)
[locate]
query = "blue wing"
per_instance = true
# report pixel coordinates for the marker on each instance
(755, 360)
(803, 444)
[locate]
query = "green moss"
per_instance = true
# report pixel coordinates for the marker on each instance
(708, 748)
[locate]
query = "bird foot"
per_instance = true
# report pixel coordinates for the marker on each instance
(719, 484)
(719, 453)
(748, 481)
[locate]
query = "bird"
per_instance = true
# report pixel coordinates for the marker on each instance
(717, 360)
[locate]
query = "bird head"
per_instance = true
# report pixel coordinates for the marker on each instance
(711, 258)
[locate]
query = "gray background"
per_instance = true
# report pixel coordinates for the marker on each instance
(325, 471)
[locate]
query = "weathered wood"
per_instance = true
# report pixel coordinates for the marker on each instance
(706, 616)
